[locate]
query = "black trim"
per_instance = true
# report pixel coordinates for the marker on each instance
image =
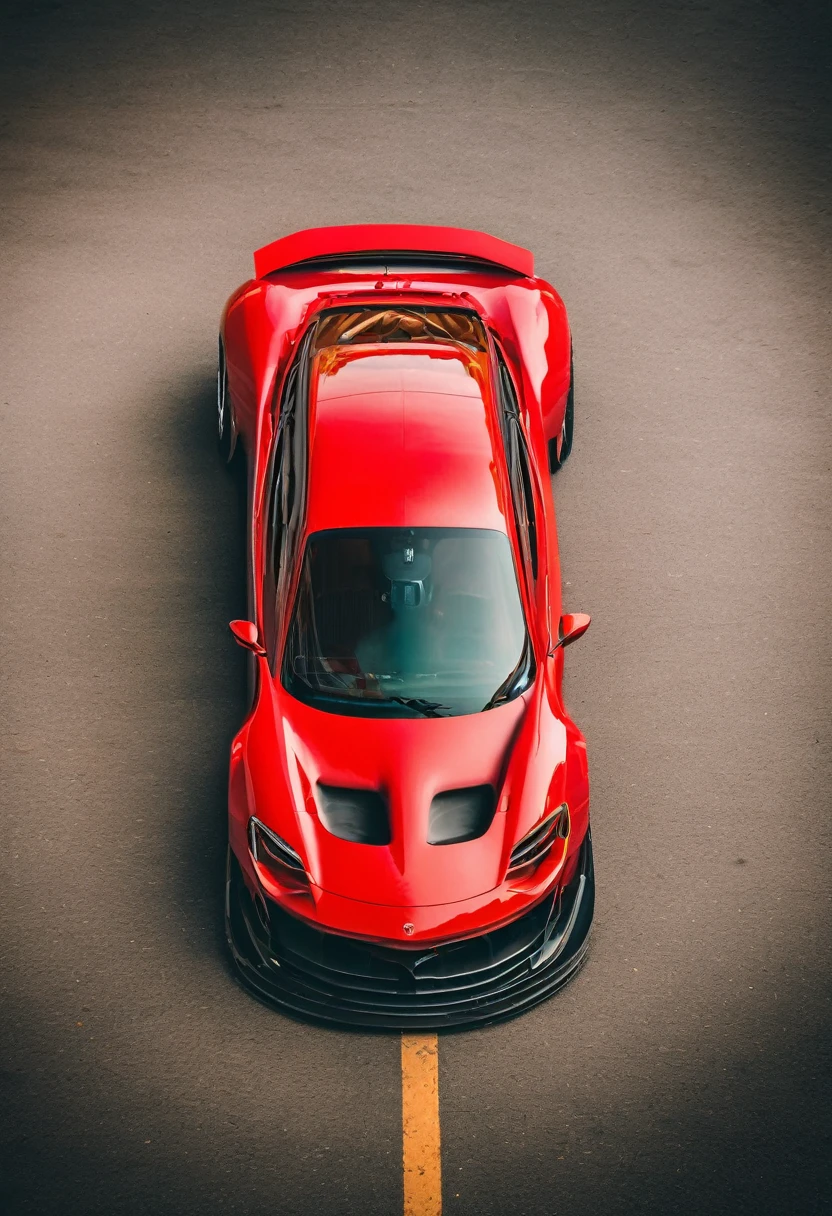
(325, 977)
(389, 261)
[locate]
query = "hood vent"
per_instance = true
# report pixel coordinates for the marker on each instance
(356, 815)
(458, 815)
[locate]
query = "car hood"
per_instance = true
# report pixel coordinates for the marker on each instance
(293, 748)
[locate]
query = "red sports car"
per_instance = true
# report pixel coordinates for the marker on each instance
(408, 797)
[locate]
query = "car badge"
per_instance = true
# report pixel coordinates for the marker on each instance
(409, 929)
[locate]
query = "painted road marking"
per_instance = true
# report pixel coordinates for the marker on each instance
(420, 1125)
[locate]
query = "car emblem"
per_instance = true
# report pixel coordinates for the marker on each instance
(409, 929)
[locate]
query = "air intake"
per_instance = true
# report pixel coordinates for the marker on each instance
(458, 815)
(356, 815)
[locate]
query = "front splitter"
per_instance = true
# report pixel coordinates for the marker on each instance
(328, 978)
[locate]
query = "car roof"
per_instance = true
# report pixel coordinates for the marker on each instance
(403, 434)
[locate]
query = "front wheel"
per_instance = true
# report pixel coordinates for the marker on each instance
(225, 424)
(561, 446)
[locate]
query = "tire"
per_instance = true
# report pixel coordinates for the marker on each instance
(561, 446)
(226, 437)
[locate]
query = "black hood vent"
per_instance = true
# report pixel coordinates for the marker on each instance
(356, 815)
(458, 815)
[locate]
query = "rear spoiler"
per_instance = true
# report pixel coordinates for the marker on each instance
(390, 238)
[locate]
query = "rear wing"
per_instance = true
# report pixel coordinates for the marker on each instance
(351, 239)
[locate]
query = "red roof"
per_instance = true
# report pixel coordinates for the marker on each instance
(401, 435)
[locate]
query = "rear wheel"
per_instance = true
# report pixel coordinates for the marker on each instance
(225, 425)
(561, 446)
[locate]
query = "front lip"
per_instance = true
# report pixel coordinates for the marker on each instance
(327, 978)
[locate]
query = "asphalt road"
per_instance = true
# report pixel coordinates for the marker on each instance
(670, 168)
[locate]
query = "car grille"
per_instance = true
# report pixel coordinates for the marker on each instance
(331, 978)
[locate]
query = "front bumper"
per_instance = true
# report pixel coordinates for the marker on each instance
(329, 978)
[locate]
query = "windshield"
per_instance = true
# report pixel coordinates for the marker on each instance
(407, 622)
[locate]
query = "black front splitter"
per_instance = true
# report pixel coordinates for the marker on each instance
(328, 978)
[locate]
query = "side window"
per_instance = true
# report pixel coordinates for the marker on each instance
(520, 474)
(524, 498)
(287, 495)
(280, 504)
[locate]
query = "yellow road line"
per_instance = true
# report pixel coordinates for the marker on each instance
(420, 1125)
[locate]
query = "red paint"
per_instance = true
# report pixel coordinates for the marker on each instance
(389, 239)
(406, 435)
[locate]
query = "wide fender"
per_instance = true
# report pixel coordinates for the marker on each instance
(544, 345)
(536, 771)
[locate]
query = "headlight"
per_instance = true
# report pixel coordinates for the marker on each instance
(271, 850)
(536, 844)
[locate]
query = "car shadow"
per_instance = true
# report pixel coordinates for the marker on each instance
(203, 674)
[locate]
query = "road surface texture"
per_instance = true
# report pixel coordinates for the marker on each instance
(669, 165)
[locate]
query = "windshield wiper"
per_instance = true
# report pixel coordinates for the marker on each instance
(428, 709)
(512, 681)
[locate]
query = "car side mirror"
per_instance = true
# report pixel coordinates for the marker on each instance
(573, 625)
(246, 635)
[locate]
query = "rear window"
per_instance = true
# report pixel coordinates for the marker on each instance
(351, 327)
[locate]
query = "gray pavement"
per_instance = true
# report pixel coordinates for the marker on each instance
(669, 165)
